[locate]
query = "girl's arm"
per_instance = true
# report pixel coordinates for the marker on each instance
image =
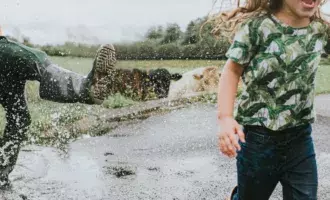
(227, 91)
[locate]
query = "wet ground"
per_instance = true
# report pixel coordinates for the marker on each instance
(170, 156)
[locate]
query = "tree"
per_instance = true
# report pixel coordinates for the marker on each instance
(172, 34)
(155, 33)
(191, 35)
(26, 41)
(169, 51)
(196, 30)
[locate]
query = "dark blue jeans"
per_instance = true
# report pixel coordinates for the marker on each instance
(270, 157)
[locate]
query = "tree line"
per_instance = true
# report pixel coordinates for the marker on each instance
(159, 42)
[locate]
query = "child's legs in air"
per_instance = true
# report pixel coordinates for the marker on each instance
(287, 157)
(61, 85)
(56, 83)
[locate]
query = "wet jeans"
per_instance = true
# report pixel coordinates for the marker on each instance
(269, 157)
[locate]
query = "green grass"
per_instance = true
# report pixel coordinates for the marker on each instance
(323, 79)
(84, 65)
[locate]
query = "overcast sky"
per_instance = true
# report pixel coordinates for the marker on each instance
(94, 21)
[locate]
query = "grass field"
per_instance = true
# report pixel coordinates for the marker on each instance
(83, 65)
(47, 114)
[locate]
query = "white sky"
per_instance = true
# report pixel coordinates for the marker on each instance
(56, 21)
(53, 21)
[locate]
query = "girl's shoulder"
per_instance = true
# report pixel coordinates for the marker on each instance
(320, 26)
(256, 19)
(258, 22)
(258, 26)
(265, 23)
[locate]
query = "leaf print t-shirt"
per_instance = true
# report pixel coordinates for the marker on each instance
(280, 64)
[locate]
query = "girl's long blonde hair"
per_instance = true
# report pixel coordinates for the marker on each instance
(226, 23)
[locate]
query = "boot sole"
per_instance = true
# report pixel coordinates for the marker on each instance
(104, 65)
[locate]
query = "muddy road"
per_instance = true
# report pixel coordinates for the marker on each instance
(170, 156)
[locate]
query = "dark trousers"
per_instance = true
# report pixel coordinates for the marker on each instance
(268, 158)
(18, 64)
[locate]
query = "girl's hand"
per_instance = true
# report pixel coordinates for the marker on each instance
(228, 142)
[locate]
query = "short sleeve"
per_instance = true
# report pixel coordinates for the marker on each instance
(326, 44)
(244, 45)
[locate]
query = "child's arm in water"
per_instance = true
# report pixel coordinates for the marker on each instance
(228, 84)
